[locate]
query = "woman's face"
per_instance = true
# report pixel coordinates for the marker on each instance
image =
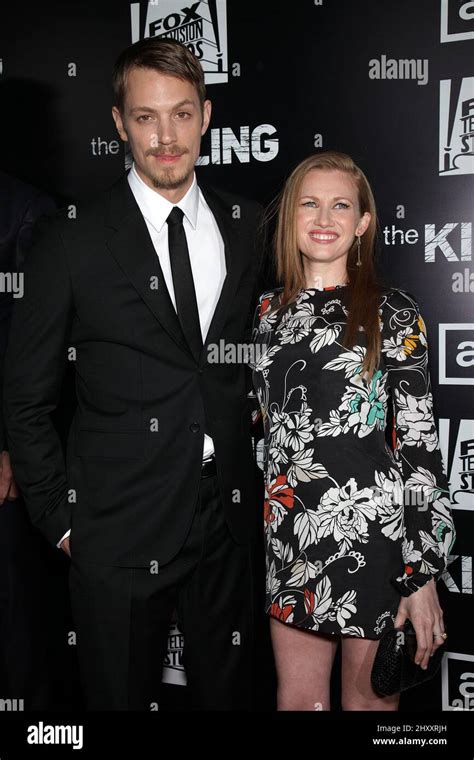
(328, 215)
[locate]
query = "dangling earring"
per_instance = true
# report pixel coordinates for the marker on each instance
(359, 262)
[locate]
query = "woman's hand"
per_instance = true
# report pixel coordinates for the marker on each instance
(423, 610)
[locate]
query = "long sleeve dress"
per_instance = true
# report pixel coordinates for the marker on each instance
(351, 523)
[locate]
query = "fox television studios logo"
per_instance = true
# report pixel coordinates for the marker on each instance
(201, 26)
(456, 126)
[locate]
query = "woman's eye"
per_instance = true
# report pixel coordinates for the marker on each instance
(309, 204)
(341, 204)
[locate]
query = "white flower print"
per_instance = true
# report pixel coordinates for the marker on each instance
(425, 481)
(282, 551)
(306, 528)
(344, 608)
(324, 337)
(265, 358)
(389, 499)
(303, 468)
(293, 334)
(415, 419)
(410, 554)
(344, 514)
(353, 630)
(395, 347)
(319, 602)
(349, 361)
(301, 571)
(299, 431)
(279, 427)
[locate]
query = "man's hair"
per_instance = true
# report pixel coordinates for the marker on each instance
(161, 54)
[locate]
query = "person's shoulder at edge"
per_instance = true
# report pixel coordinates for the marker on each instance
(78, 216)
(397, 298)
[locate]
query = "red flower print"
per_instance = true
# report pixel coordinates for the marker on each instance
(277, 493)
(263, 307)
(282, 613)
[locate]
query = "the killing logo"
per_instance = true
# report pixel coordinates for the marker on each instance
(456, 126)
(201, 26)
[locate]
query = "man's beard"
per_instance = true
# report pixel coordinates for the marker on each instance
(168, 181)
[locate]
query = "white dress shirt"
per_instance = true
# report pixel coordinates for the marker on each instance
(206, 252)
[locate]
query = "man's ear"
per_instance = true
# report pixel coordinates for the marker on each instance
(117, 117)
(206, 115)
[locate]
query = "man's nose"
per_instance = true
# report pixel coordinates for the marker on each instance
(166, 132)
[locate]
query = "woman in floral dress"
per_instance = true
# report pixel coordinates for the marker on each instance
(356, 531)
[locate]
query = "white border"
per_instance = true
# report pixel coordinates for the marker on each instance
(445, 35)
(442, 379)
(445, 677)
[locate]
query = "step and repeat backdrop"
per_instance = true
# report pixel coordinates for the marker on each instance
(390, 83)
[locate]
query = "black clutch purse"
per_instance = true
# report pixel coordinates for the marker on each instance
(394, 669)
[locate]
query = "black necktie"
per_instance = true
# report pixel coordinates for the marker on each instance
(183, 284)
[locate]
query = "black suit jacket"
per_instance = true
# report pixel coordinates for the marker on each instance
(129, 486)
(20, 207)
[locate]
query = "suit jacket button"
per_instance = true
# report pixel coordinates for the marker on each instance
(195, 427)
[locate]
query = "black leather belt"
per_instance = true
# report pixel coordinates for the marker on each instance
(208, 468)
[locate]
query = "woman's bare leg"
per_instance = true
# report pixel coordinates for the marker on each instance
(357, 693)
(303, 661)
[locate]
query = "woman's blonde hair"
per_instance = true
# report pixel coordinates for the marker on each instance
(363, 290)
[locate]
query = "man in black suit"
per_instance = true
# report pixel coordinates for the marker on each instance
(155, 504)
(26, 670)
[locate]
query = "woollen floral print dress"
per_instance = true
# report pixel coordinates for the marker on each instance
(351, 523)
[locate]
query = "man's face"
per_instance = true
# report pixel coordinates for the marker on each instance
(163, 122)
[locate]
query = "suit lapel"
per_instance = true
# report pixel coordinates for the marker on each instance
(131, 246)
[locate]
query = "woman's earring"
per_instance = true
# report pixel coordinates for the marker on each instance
(359, 262)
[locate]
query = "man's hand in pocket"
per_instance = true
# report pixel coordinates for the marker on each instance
(8, 487)
(65, 546)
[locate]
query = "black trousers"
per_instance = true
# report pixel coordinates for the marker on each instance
(122, 617)
(27, 664)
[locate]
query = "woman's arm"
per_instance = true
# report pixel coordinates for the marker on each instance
(428, 525)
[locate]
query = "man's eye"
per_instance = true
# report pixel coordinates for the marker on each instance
(183, 115)
(143, 117)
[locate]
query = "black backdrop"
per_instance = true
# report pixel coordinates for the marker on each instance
(390, 83)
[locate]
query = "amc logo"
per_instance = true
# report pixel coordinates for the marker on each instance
(456, 354)
(457, 679)
(457, 20)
